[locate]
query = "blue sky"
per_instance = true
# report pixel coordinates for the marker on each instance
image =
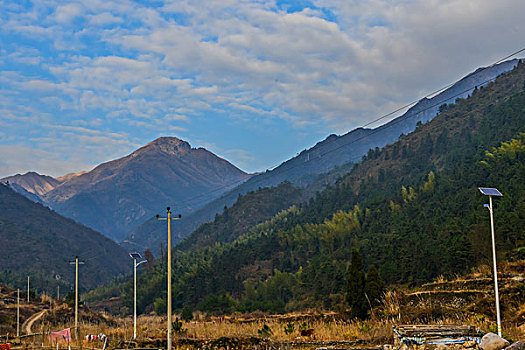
(253, 81)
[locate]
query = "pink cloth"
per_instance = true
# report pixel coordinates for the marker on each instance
(60, 336)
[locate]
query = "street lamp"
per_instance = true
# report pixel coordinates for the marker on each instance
(169, 218)
(135, 256)
(493, 192)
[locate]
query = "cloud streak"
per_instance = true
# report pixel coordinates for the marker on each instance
(191, 67)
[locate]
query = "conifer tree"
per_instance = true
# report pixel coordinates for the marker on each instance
(374, 286)
(355, 292)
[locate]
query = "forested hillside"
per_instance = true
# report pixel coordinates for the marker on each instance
(249, 210)
(331, 153)
(39, 243)
(412, 209)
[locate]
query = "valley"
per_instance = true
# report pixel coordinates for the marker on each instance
(331, 249)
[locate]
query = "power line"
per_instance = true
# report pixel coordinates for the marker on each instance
(374, 131)
(439, 90)
(432, 127)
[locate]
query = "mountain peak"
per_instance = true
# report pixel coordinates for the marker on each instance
(167, 144)
(33, 182)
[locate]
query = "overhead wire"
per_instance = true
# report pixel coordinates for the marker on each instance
(374, 131)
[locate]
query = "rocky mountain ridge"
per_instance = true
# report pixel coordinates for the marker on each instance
(118, 195)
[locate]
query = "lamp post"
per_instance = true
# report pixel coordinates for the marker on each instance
(135, 256)
(169, 218)
(493, 192)
(76, 263)
(17, 313)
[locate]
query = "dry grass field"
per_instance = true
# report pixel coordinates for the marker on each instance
(464, 300)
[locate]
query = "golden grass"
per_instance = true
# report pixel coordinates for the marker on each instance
(154, 327)
(395, 309)
(376, 331)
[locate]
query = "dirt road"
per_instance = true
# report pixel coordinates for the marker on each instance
(26, 326)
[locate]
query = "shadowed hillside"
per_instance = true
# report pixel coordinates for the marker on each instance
(39, 243)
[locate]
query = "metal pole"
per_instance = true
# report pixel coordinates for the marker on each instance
(18, 312)
(495, 267)
(134, 299)
(76, 297)
(169, 279)
(28, 289)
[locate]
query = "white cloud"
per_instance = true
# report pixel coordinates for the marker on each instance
(67, 13)
(65, 149)
(104, 19)
(115, 64)
(176, 117)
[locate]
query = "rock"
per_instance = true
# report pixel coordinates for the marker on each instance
(519, 345)
(387, 347)
(470, 344)
(491, 341)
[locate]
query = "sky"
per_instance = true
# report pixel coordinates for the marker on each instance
(255, 82)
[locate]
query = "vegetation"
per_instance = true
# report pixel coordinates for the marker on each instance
(355, 293)
(39, 243)
(411, 209)
(466, 299)
(249, 210)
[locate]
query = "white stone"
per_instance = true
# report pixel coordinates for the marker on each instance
(491, 341)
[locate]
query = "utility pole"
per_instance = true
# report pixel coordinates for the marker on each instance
(18, 312)
(169, 274)
(28, 289)
(76, 263)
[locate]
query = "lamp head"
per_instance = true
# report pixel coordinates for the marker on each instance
(135, 255)
(168, 208)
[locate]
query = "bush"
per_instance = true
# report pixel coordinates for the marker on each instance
(187, 313)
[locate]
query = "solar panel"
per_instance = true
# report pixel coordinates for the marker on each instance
(135, 255)
(490, 191)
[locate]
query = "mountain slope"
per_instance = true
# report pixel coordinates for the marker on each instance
(329, 153)
(40, 243)
(118, 195)
(249, 210)
(412, 209)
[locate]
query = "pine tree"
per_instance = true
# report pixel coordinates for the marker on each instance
(374, 286)
(355, 292)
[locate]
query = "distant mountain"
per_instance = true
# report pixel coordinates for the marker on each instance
(33, 182)
(69, 176)
(334, 151)
(118, 195)
(39, 243)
